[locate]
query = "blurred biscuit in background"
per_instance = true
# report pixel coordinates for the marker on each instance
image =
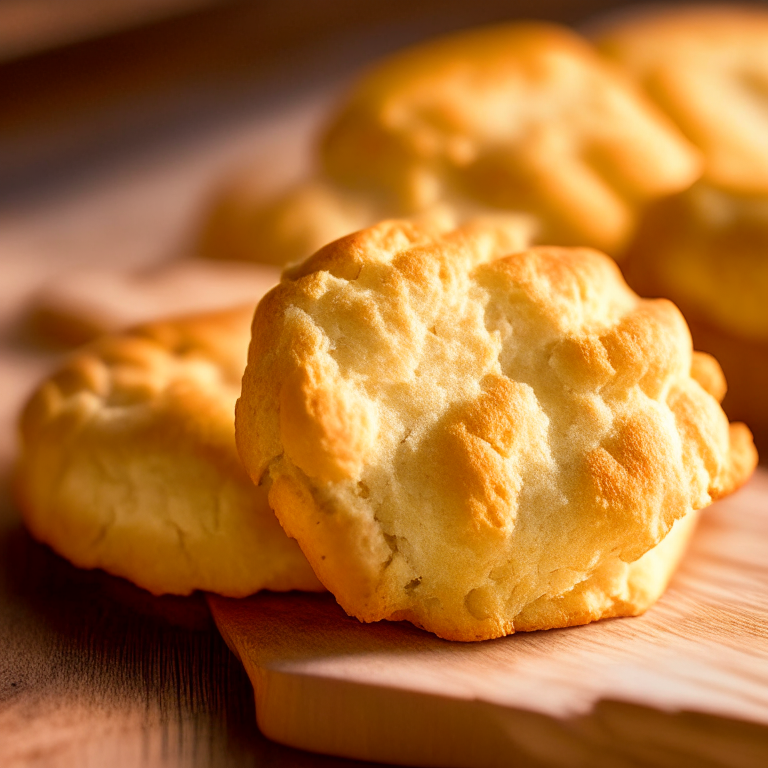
(707, 68)
(707, 247)
(523, 117)
(247, 222)
(128, 463)
(519, 117)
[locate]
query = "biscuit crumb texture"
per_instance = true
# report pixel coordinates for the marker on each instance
(128, 463)
(481, 440)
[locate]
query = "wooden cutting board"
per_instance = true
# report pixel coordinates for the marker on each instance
(686, 684)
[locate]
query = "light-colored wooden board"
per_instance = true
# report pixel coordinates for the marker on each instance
(685, 684)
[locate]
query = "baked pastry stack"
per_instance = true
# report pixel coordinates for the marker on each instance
(460, 428)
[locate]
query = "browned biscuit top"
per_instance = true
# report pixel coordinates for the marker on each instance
(707, 68)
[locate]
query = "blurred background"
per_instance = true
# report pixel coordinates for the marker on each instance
(87, 84)
(119, 119)
(118, 115)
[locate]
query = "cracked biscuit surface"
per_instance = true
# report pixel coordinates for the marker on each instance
(128, 463)
(480, 439)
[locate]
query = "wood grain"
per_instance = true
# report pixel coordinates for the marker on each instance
(93, 671)
(108, 151)
(686, 684)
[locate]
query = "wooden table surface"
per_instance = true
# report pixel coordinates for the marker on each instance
(684, 685)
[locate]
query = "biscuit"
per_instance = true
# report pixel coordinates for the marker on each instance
(708, 252)
(706, 67)
(707, 248)
(524, 117)
(128, 463)
(479, 439)
(746, 362)
(245, 224)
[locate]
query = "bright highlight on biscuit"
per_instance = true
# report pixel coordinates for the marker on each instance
(482, 439)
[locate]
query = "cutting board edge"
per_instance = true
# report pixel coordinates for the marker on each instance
(470, 733)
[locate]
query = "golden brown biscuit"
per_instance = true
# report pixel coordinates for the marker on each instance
(128, 463)
(679, 255)
(478, 439)
(615, 588)
(523, 117)
(707, 248)
(707, 67)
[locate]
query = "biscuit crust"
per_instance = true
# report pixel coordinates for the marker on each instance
(479, 439)
(128, 463)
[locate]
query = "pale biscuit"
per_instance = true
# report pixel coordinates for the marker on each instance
(522, 117)
(479, 442)
(128, 463)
